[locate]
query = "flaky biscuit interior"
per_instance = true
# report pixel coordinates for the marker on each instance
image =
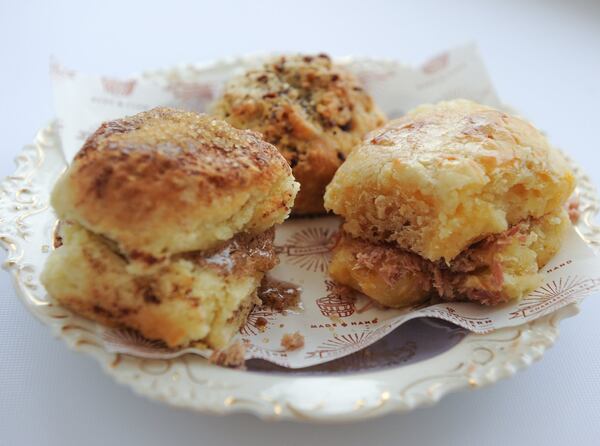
(191, 298)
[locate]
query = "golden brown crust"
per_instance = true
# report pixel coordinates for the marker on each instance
(188, 299)
(314, 111)
(447, 175)
(167, 181)
(497, 269)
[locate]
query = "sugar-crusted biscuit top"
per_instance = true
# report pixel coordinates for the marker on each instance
(167, 181)
(445, 176)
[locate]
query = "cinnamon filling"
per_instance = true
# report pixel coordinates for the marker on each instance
(393, 263)
(244, 253)
(279, 294)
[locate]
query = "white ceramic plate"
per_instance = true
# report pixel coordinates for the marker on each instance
(417, 365)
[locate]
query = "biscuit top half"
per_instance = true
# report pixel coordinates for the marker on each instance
(445, 176)
(167, 181)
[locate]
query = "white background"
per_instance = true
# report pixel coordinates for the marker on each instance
(544, 58)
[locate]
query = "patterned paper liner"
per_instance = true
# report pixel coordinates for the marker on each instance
(334, 325)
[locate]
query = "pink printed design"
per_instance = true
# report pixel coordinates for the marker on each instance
(310, 248)
(118, 87)
(381, 331)
(339, 301)
(370, 78)
(254, 351)
(58, 71)
(128, 340)
(340, 345)
(368, 358)
(194, 96)
(436, 64)
(477, 324)
(562, 291)
(251, 327)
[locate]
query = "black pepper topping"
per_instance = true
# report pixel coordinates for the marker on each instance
(346, 127)
(150, 297)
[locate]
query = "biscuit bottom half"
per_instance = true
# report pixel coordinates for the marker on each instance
(497, 269)
(196, 297)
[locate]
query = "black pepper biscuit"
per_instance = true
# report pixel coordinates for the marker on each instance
(168, 226)
(314, 111)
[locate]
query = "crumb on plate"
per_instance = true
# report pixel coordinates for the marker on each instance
(232, 356)
(292, 341)
(573, 209)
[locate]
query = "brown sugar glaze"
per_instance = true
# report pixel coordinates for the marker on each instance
(279, 294)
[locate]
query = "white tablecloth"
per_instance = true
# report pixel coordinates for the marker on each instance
(544, 58)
